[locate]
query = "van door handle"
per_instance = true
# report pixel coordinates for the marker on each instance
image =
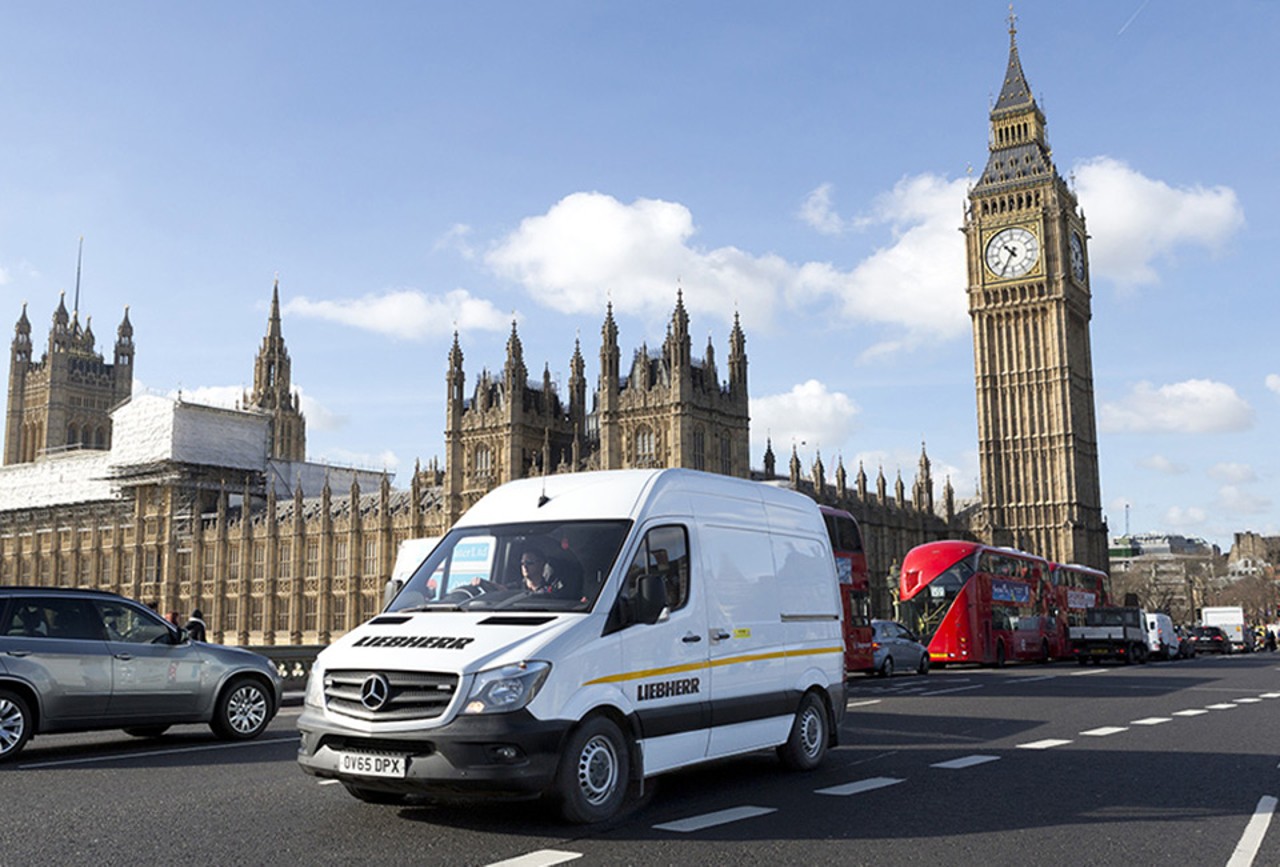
(124, 656)
(691, 638)
(19, 652)
(719, 635)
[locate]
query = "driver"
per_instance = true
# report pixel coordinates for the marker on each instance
(540, 577)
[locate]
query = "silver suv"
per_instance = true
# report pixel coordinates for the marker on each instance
(76, 660)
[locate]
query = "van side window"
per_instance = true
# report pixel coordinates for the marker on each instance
(665, 552)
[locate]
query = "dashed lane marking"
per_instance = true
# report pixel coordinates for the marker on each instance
(965, 762)
(1151, 721)
(948, 691)
(1195, 711)
(862, 703)
(1047, 743)
(1226, 705)
(710, 820)
(541, 858)
(124, 757)
(861, 786)
(1247, 700)
(1271, 695)
(1032, 679)
(1088, 671)
(1103, 731)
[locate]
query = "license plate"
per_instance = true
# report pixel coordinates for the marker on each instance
(372, 766)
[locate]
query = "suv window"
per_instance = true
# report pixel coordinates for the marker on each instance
(53, 617)
(126, 622)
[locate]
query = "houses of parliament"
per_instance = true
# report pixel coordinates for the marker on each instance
(188, 506)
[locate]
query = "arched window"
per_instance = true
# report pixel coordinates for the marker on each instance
(483, 462)
(646, 454)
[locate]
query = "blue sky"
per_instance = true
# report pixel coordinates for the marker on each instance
(412, 168)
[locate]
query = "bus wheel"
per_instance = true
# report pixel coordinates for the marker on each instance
(999, 654)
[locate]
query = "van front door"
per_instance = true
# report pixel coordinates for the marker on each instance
(667, 661)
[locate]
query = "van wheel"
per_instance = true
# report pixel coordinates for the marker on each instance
(807, 744)
(594, 773)
(16, 723)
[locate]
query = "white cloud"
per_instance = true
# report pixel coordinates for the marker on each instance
(816, 211)
(808, 415)
(457, 238)
(407, 314)
(1232, 473)
(1161, 464)
(590, 248)
(1194, 406)
(1273, 382)
(1188, 518)
(918, 280)
(1233, 499)
(1135, 220)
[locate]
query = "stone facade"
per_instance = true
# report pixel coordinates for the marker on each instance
(1029, 300)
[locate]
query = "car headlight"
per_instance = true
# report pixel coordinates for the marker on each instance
(505, 689)
(314, 696)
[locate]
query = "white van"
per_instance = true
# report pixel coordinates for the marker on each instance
(576, 634)
(409, 557)
(1161, 638)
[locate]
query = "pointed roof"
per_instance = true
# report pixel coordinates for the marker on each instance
(1015, 93)
(23, 325)
(273, 324)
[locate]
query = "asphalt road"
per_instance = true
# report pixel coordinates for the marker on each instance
(1059, 764)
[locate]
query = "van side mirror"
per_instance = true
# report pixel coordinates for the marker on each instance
(651, 599)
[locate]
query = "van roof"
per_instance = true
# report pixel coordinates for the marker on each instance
(618, 494)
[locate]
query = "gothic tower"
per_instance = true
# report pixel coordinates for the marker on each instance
(63, 402)
(1029, 301)
(272, 391)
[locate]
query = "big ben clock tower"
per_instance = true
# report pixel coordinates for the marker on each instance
(1029, 301)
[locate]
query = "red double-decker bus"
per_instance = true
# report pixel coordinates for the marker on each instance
(1078, 588)
(855, 587)
(974, 603)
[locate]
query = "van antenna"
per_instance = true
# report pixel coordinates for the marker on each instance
(543, 499)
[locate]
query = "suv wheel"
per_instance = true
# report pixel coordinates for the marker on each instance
(243, 710)
(16, 723)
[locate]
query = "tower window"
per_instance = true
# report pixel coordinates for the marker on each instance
(646, 454)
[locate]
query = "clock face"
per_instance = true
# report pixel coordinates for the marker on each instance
(1077, 257)
(1012, 252)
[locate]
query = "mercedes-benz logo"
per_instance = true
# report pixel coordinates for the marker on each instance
(374, 691)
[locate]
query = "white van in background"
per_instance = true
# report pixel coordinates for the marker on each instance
(409, 557)
(1162, 640)
(576, 634)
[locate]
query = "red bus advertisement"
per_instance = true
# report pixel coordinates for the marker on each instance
(974, 603)
(855, 587)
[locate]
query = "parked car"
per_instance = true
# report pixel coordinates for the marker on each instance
(79, 660)
(1210, 639)
(896, 649)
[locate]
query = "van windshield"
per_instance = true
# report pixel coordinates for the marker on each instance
(545, 566)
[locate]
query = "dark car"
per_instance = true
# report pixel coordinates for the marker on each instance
(896, 649)
(1186, 646)
(1210, 639)
(79, 660)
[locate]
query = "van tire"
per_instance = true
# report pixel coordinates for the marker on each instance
(595, 772)
(806, 746)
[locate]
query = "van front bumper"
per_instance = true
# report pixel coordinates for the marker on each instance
(512, 753)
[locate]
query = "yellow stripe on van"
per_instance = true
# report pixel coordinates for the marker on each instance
(715, 663)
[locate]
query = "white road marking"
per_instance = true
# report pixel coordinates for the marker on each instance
(862, 703)
(1089, 671)
(1247, 700)
(1032, 679)
(1247, 849)
(121, 757)
(327, 783)
(1151, 721)
(1103, 731)
(541, 858)
(947, 691)
(1196, 711)
(710, 820)
(1271, 695)
(1226, 705)
(860, 786)
(965, 762)
(1045, 744)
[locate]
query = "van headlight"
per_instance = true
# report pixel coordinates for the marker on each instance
(314, 696)
(505, 689)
